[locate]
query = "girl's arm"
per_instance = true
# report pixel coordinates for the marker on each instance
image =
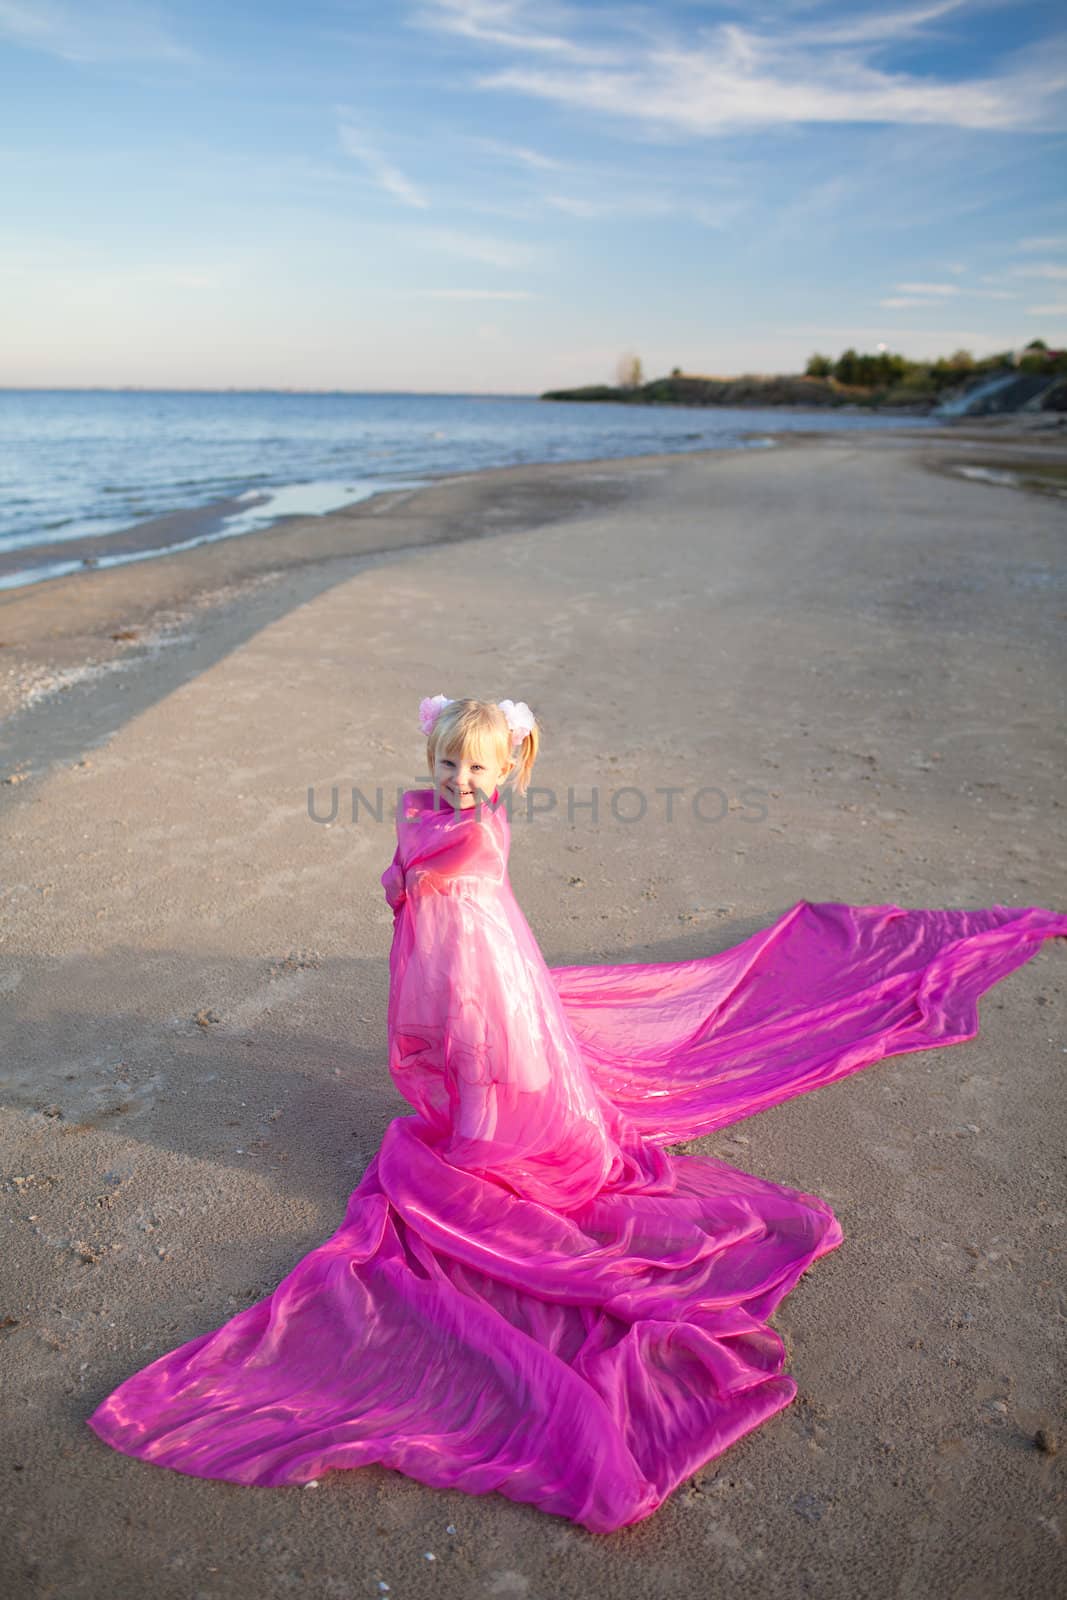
(393, 883)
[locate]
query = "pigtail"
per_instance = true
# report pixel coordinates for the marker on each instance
(524, 755)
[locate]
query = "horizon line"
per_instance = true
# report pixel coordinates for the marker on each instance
(152, 388)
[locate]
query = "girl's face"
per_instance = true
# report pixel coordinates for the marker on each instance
(467, 778)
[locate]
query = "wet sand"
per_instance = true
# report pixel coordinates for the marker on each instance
(841, 634)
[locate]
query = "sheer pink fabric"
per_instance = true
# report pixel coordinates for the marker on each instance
(528, 1293)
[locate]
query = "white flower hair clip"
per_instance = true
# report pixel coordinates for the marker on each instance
(520, 719)
(429, 711)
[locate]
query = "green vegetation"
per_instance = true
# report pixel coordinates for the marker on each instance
(893, 379)
(853, 379)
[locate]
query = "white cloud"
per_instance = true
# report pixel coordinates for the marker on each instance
(960, 271)
(104, 30)
(1057, 241)
(1040, 269)
(1051, 270)
(704, 94)
(932, 294)
(518, 153)
(620, 204)
(473, 294)
(815, 207)
(502, 22)
(388, 177)
(928, 288)
(732, 76)
(935, 339)
(878, 28)
(1056, 308)
(60, 272)
(475, 247)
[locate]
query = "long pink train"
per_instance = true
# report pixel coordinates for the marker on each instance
(529, 1294)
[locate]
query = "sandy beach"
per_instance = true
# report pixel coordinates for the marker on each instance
(858, 653)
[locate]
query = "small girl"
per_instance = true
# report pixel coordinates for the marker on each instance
(529, 1293)
(479, 1042)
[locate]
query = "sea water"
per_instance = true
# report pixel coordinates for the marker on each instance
(77, 464)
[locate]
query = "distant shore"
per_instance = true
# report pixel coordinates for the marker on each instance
(1010, 383)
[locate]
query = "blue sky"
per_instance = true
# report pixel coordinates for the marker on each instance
(499, 196)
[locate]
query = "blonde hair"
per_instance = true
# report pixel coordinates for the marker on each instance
(479, 727)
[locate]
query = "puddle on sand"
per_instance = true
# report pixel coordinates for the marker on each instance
(1040, 477)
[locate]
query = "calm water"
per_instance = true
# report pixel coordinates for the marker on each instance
(89, 463)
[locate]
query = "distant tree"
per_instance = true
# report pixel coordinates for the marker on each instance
(846, 367)
(629, 371)
(1037, 357)
(962, 360)
(676, 372)
(861, 371)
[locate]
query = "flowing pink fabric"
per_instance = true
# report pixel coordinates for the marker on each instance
(528, 1293)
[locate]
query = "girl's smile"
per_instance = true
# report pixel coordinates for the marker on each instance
(465, 781)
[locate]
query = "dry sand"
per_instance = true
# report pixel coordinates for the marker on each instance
(194, 982)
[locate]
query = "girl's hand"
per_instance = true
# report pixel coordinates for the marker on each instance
(393, 884)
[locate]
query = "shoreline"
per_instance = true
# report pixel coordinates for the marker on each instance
(185, 527)
(92, 535)
(79, 627)
(60, 632)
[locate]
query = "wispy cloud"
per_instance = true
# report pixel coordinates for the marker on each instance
(473, 294)
(878, 29)
(629, 206)
(1040, 269)
(518, 154)
(1051, 270)
(62, 268)
(938, 294)
(928, 288)
(116, 30)
(504, 22)
(489, 251)
(385, 175)
(869, 334)
(1055, 241)
(731, 77)
(711, 93)
(523, 25)
(818, 205)
(1056, 308)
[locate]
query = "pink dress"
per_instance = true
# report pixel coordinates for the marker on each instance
(529, 1293)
